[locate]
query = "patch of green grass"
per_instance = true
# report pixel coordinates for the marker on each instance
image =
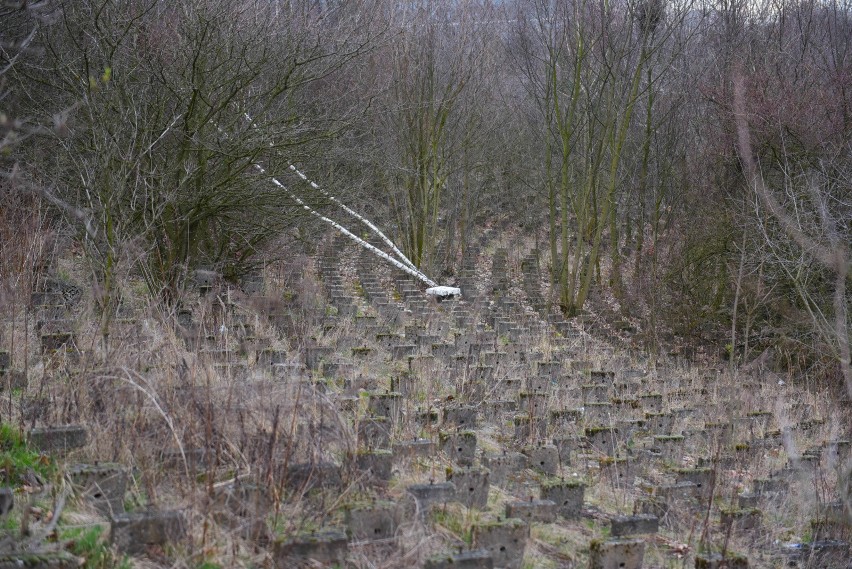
(16, 459)
(457, 521)
(88, 544)
(10, 524)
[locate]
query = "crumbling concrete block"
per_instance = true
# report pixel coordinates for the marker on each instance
(133, 533)
(328, 547)
(476, 559)
(102, 485)
(633, 525)
(616, 554)
(58, 439)
(568, 496)
(505, 540)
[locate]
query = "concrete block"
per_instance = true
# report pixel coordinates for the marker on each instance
(476, 559)
(471, 486)
(543, 458)
(621, 526)
(133, 533)
(386, 405)
(327, 548)
(717, 561)
(616, 554)
(58, 439)
(376, 464)
(504, 466)
(306, 476)
(543, 511)
(741, 520)
(459, 447)
(374, 432)
(426, 495)
(568, 496)
(603, 439)
(102, 485)
(463, 417)
(369, 522)
(42, 560)
(413, 449)
(505, 540)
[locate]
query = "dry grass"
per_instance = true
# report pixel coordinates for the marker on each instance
(188, 422)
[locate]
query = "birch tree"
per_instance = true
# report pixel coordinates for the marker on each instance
(437, 76)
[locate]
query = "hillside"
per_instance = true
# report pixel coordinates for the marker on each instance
(327, 414)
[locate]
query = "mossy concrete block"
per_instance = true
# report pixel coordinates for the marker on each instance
(459, 447)
(551, 369)
(58, 439)
(376, 464)
(764, 486)
(567, 445)
(568, 496)
(533, 404)
(616, 554)
(670, 447)
(427, 494)
(327, 548)
(46, 560)
(505, 540)
(375, 521)
(543, 458)
(374, 432)
(717, 561)
(306, 476)
(463, 417)
(133, 533)
(529, 427)
(413, 449)
(603, 439)
(747, 500)
(619, 472)
(472, 485)
(102, 485)
(598, 413)
(660, 423)
(385, 405)
(702, 477)
(596, 393)
(476, 559)
(13, 379)
(652, 402)
(741, 520)
(53, 342)
(504, 466)
(542, 511)
(621, 526)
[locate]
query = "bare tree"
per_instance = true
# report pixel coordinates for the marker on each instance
(159, 151)
(824, 240)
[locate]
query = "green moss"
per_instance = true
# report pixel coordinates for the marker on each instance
(458, 521)
(17, 459)
(89, 544)
(691, 470)
(557, 482)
